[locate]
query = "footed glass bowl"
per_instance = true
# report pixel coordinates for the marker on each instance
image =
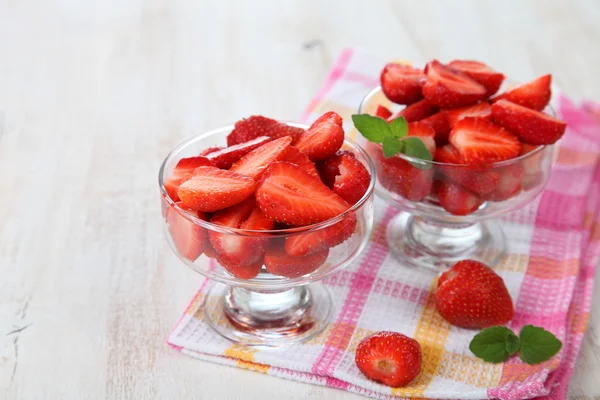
(245, 302)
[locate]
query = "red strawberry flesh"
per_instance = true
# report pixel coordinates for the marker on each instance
(401, 83)
(447, 88)
(324, 137)
(255, 126)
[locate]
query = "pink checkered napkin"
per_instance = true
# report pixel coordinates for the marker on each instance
(554, 246)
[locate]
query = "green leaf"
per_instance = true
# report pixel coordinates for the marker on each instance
(392, 146)
(414, 147)
(537, 344)
(374, 129)
(399, 127)
(495, 344)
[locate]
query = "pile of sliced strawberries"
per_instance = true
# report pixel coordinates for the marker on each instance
(271, 176)
(451, 108)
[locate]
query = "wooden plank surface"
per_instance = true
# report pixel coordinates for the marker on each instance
(92, 97)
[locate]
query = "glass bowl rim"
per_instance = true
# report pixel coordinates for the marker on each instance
(263, 233)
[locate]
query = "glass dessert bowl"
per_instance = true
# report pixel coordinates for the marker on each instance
(259, 295)
(449, 207)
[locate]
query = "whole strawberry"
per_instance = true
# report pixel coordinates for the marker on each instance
(389, 357)
(471, 295)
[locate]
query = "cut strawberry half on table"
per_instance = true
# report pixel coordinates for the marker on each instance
(481, 141)
(480, 72)
(382, 112)
(189, 239)
(225, 158)
(258, 160)
(532, 127)
(534, 94)
(424, 132)
(509, 183)
(439, 123)
(329, 168)
(455, 199)
(211, 189)
(313, 242)
(447, 88)
(481, 110)
(324, 137)
(278, 262)
(401, 83)
(289, 195)
(182, 172)
(295, 156)
(255, 126)
(417, 111)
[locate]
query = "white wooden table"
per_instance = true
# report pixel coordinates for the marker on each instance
(93, 95)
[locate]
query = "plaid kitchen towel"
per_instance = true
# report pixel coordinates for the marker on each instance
(553, 250)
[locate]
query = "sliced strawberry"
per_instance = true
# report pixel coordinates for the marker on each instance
(295, 156)
(353, 180)
(382, 112)
(288, 194)
(324, 137)
(509, 184)
(481, 73)
(532, 163)
(481, 110)
(401, 83)
(182, 172)
(329, 168)
(242, 271)
(258, 160)
(424, 132)
(417, 111)
(189, 238)
(255, 126)
(212, 189)
(313, 242)
(477, 180)
(439, 123)
(532, 127)
(448, 88)
(457, 200)
(481, 141)
(226, 157)
(209, 150)
(534, 94)
(210, 251)
(278, 262)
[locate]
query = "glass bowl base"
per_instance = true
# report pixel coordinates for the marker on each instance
(419, 242)
(267, 318)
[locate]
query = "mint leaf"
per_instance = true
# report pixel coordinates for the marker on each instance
(374, 129)
(414, 147)
(399, 127)
(495, 344)
(392, 146)
(537, 344)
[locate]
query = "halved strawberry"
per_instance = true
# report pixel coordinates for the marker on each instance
(189, 239)
(225, 158)
(448, 88)
(210, 149)
(295, 156)
(532, 163)
(439, 123)
(481, 73)
(211, 189)
(278, 262)
(417, 111)
(534, 94)
(509, 183)
(290, 195)
(478, 180)
(329, 168)
(382, 112)
(182, 172)
(324, 137)
(401, 83)
(455, 199)
(424, 132)
(256, 125)
(313, 242)
(481, 141)
(258, 160)
(352, 181)
(481, 110)
(242, 271)
(533, 127)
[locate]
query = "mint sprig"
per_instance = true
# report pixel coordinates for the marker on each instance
(498, 343)
(392, 137)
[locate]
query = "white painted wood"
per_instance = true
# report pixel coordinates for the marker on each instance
(93, 94)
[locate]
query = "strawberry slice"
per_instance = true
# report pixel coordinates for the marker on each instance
(225, 158)
(532, 163)
(534, 94)
(439, 123)
(509, 184)
(258, 160)
(295, 156)
(211, 189)
(324, 137)
(481, 110)
(481, 141)
(182, 172)
(329, 168)
(289, 195)
(424, 132)
(189, 239)
(481, 73)
(313, 242)
(417, 111)
(382, 112)
(457, 200)
(209, 150)
(255, 126)
(448, 88)
(401, 83)
(532, 127)
(278, 262)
